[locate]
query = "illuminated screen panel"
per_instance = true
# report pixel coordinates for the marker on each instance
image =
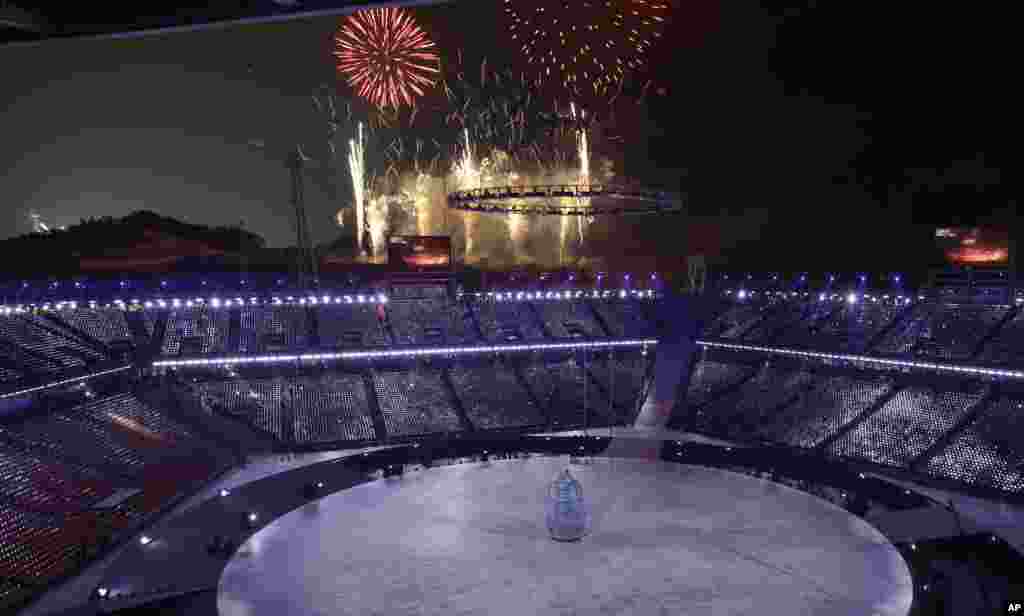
(974, 246)
(420, 253)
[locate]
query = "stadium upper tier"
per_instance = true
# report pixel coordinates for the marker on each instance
(204, 330)
(238, 326)
(48, 342)
(50, 338)
(877, 325)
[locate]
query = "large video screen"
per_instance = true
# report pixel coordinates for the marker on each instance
(420, 253)
(974, 246)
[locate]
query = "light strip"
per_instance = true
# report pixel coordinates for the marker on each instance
(190, 302)
(76, 379)
(561, 295)
(401, 353)
(881, 361)
(162, 302)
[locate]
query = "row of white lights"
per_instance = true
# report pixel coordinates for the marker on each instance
(31, 390)
(402, 353)
(564, 295)
(881, 361)
(216, 302)
(213, 302)
(851, 298)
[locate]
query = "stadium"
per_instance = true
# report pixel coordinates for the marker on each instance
(487, 389)
(162, 434)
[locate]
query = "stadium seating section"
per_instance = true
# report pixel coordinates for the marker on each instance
(350, 326)
(72, 479)
(38, 344)
(76, 475)
(819, 412)
(425, 322)
(298, 410)
(950, 428)
(415, 402)
(493, 397)
(989, 452)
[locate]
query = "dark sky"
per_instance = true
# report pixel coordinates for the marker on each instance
(814, 132)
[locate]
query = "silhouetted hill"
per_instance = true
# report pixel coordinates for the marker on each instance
(142, 241)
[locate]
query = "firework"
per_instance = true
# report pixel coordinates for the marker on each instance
(468, 176)
(583, 153)
(585, 45)
(499, 136)
(357, 170)
(386, 57)
(493, 106)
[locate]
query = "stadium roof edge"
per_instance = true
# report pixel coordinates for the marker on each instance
(119, 32)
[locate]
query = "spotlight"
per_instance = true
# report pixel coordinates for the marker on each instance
(224, 493)
(145, 540)
(102, 592)
(310, 490)
(252, 518)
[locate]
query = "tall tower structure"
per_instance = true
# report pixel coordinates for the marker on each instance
(306, 266)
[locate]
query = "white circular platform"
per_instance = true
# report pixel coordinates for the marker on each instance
(471, 539)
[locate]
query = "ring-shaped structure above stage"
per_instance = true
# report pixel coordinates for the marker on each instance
(567, 200)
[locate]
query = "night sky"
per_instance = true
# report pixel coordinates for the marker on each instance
(825, 134)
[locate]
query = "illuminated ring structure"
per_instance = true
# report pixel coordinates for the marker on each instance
(545, 200)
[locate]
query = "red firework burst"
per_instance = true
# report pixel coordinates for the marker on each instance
(585, 44)
(386, 57)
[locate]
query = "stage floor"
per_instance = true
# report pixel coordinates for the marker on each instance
(470, 539)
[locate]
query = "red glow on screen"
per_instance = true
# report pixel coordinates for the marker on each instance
(974, 246)
(425, 260)
(971, 255)
(420, 253)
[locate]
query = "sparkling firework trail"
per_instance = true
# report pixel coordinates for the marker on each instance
(468, 176)
(585, 45)
(357, 170)
(386, 57)
(583, 153)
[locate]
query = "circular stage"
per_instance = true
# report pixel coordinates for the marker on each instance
(471, 539)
